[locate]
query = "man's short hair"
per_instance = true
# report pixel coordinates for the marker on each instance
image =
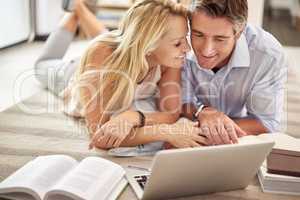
(236, 11)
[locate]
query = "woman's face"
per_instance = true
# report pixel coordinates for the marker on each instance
(172, 48)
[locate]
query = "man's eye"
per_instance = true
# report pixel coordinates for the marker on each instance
(220, 40)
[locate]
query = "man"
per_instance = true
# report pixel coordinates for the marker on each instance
(233, 83)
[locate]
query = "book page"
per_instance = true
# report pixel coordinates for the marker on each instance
(19, 196)
(113, 195)
(38, 176)
(282, 141)
(93, 178)
(286, 142)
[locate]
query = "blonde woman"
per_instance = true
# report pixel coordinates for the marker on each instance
(127, 86)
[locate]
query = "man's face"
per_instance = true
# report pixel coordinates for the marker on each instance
(213, 40)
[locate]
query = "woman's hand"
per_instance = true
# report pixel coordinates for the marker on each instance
(113, 132)
(183, 135)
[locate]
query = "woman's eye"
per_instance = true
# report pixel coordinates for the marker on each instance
(177, 44)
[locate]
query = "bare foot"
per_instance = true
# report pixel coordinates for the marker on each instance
(79, 6)
(88, 22)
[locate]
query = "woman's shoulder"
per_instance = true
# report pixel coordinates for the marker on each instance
(97, 53)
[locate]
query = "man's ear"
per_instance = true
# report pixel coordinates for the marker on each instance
(238, 35)
(239, 30)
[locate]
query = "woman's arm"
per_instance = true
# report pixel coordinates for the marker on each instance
(168, 103)
(111, 133)
(114, 132)
(179, 135)
(88, 84)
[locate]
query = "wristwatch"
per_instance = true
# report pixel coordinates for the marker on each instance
(199, 110)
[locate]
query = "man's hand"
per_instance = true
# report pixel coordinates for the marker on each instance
(218, 127)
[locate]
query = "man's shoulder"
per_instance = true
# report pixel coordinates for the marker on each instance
(266, 53)
(262, 42)
(191, 58)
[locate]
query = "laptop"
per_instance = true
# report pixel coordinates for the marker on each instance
(194, 171)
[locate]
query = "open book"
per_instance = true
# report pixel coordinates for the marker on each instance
(60, 177)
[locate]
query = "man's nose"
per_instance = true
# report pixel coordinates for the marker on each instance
(208, 48)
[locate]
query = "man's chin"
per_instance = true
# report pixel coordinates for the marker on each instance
(206, 66)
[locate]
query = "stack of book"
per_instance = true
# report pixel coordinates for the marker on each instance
(281, 171)
(281, 184)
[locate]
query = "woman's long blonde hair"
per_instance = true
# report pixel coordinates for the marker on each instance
(144, 24)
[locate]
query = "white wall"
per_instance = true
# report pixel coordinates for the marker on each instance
(48, 14)
(14, 21)
(256, 12)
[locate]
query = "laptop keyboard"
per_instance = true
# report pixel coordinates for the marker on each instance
(141, 180)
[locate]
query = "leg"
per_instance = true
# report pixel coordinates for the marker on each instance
(90, 25)
(50, 69)
(59, 40)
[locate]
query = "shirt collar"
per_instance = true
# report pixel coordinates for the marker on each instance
(240, 56)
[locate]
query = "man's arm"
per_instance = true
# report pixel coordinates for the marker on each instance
(188, 110)
(266, 99)
(251, 126)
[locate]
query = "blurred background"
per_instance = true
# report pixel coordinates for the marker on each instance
(25, 25)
